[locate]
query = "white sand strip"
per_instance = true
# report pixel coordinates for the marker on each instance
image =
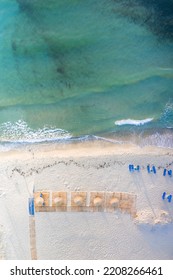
(97, 167)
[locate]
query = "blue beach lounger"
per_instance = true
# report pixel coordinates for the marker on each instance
(163, 195)
(148, 168)
(130, 167)
(31, 206)
(170, 173)
(154, 169)
(169, 198)
(138, 168)
(164, 172)
(133, 168)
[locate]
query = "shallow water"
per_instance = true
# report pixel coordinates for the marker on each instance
(73, 68)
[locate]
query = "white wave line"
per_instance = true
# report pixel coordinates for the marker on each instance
(133, 122)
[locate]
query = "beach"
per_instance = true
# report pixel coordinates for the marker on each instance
(86, 167)
(86, 92)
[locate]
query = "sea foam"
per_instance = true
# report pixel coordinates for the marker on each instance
(21, 132)
(133, 122)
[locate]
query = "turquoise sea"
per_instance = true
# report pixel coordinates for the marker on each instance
(77, 69)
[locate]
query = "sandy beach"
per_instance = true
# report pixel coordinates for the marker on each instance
(91, 166)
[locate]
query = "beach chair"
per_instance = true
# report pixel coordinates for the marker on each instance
(169, 198)
(31, 206)
(131, 167)
(137, 168)
(164, 172)
(169, 172)
(150, 170)
(163, 195)
(154, 169)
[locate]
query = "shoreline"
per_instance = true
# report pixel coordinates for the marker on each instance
(162, 138)
(88, 148)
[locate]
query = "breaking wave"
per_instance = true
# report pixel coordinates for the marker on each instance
(133, 122)
(21, 132)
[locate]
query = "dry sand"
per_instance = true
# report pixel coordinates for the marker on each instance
(96, 166)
